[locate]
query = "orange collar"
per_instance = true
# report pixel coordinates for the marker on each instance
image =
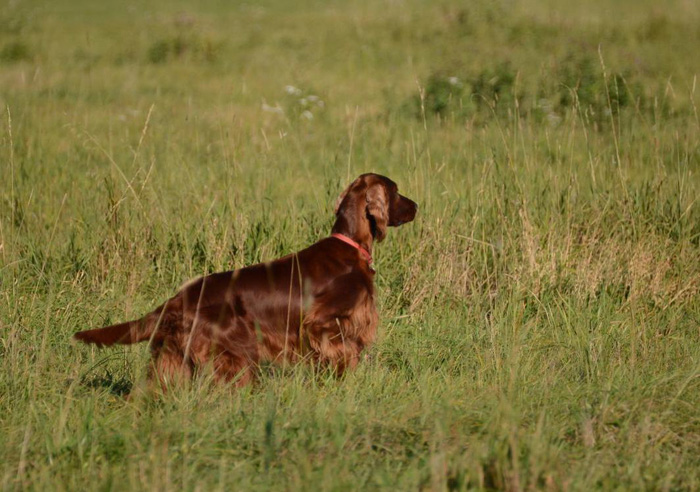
(366, 254)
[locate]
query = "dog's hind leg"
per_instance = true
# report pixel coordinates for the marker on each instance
(169, 368)
(234, 368)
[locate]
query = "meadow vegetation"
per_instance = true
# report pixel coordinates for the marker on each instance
(540, 320)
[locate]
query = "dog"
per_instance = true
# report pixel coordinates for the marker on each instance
(317, 304)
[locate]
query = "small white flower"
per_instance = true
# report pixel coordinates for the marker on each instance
(292, 91)
(307, 115)
(313, 99)
(454, 81)
(303, 102)
(272, 109)
(553, 119)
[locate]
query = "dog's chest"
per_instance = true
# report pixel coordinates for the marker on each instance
(363, 319)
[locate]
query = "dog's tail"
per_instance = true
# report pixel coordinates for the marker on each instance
(124, 333)
(135, 331)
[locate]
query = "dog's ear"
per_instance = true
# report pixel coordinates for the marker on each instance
(377, 211)
(342, 195)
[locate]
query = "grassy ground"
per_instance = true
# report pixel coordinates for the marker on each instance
(539, 320)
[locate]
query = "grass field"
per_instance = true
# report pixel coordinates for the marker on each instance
(540, 320)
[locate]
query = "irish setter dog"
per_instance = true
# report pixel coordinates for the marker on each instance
(316, 304)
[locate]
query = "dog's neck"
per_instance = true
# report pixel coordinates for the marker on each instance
(356, 227)
(363, 252)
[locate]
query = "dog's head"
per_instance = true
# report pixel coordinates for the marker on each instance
(375, 199)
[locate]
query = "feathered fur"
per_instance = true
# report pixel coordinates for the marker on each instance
(315, 304)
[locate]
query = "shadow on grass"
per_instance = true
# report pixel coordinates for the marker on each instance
(118, 386)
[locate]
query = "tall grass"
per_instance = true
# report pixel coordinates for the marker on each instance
(540, 320)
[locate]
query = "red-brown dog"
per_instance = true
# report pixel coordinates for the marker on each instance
(317, 303)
